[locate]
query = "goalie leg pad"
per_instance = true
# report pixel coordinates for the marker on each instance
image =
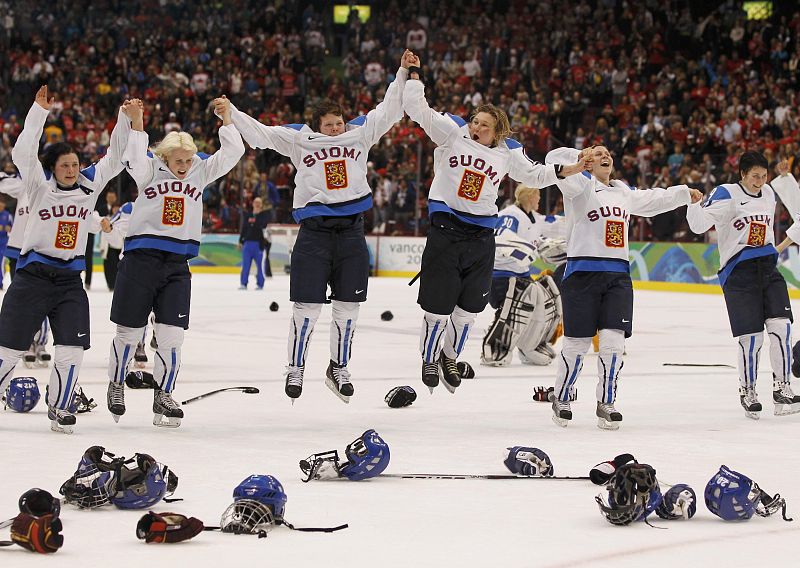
(570, 363)
(749, 352)
(533, 342)
(510, 321)
(609, 364)
(457, 332)
(343, 328)
(301, 327)
(123, 347)
(168, 356)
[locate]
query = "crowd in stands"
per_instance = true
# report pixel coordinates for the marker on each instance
(676, 89)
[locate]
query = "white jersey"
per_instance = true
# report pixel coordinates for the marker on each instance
(598, 215)
(120, 222)
(467, 174)
(787, 189)
(744, 222)
(331, 170)
(528, 228)
(169, 212)
(13, 186)
(56, 231)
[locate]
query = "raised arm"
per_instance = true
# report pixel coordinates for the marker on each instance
(111, 164)
(380, 120)
(134, 158)
(649, 202)
(11, 185)
(787, 189)
(573, 185)
(231, 146)
(525, 170)
(278, 138)
(438, 127)
(714, 210)
(25, 153)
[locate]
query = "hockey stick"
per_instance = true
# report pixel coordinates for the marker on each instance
(697, 365)
(467, 476)
(246, 390)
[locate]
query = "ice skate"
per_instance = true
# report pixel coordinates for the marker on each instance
(167, 412)
(29, 357)
(608, 418)
(451, 378)
(60, 420)
(430, 375)
(42, 356)
(115, 399)
(786, 402)
(749, 400)
(338, 380)
(294, 381)
(562, 413)
(140, 357)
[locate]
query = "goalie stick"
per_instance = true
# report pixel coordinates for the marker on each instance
(470, 476)
(246, 390)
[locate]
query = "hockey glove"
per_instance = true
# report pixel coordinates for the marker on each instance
(140, 380)
(399, 397)
(545, 394)
(531, 462)
(37, 534)
(603, 472)
(465, 370)
(167, 527)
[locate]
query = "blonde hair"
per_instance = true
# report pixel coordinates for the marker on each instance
(174, 141)
(502, 127)
(522, 191)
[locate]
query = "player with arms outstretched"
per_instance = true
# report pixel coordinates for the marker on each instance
(330, 198)
(596, 291)
(61, 198)
(163, 234)
(755, 292)
(470, 162)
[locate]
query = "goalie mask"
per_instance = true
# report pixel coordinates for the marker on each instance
(265, 489)
(22, 394)
(633, 494)
(141, 482)
(94, 480)
(733, 496)
(367, 456)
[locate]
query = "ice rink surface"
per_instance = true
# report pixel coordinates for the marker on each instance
(684, 421)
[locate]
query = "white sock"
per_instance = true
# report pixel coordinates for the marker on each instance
(123, 346)
(747, 357)
(779, 331)
(8, 360)
(301, 326)
(457, 332)
(570, 363)
(430, 338)
(64, 377)
(343, 327)
(609, 364)
(168, 356)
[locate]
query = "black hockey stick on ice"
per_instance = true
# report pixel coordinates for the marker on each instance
(246, 390)
(468, 476)
(697, 365)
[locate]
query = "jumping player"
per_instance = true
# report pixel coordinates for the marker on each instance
(47, 283)
(471, 161)
(755, 292)
(330, 198)
(596, 291)
(163, 234)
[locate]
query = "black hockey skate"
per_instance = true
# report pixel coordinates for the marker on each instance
(115, 398)
(338, 380)
(430, 375)
(166, 412)
(294, 381)
(60, 420)
(451, 378)
(608, 418)
(786, 402)
(749, 400)
(140, 357)
(562, 413)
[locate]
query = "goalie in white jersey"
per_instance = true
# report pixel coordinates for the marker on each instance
(470, 162)
(755, 291)
(163, 234)
(528, 311)
(61, 199)
(330, 198)
(596, 291)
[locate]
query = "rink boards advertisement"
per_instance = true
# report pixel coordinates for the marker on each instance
(669, 266)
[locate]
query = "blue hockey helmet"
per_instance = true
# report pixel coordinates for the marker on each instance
(367, 456)
(22, 394)
(679, 502)
(142, 482)
(729, 495)
(265, 489)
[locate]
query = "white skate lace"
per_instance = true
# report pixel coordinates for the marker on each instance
(165, 400)
(607, 409)
(562, 405)
(116, 394)
(341, 375)
(430, 369)
(294, 376)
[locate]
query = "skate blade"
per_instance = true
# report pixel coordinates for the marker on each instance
(332, 386)
(786, 409)
(431, 389)
(752, 415)
(115, 417)
(604, 424)
(450, 388)
(56, 427)
(563, 422)
(162, 421)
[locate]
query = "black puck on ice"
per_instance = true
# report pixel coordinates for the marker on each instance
(387, 316)
(273, 307)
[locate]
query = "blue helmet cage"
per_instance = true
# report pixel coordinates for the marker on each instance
(141, 486)
(265, 489)
(729, 495)
(22, 394)
(367, 457)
